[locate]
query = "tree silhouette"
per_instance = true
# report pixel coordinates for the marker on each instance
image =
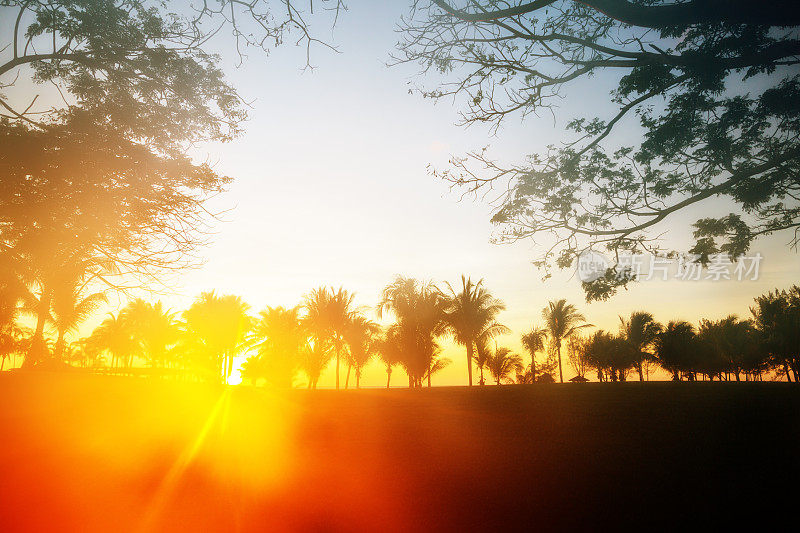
(777, 317)
(674, 348)
(471, 313)
(576, 354)
(328, 314)
(279, 337)
(420, 310)
(220, 325)
(561, 321)
(640, 330)
(390, 350)
(114, 336)
(315, 356)
(503, 364)
(71, 308)
(361, 336)
(533, 342)
(706, 80)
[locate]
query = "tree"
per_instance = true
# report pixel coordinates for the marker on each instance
(503, 364)
(154, 328)
(103, 179)
(611, 355)
(731, 345)
(279, 337)
(561, 321)
(219, 324)
(533, 342)
(114, 336)
(83, 199)
(470, 313)
(390, 351)
(143, 65)
(361, 335)
(711, 86)
(640, 330)
(675, 348)
(328, 314)
(71, 308)
(777, 318)
(315, 356)
(421, 313)
(576, 354)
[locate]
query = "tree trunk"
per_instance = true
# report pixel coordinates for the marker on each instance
(60, 345)
(429, 374)
(37, 348)
(560, 373)
(533, 367)
(358, 378)
(388, 376)
(347, 378)
(639, 369)
(469, 362)
(337, 367)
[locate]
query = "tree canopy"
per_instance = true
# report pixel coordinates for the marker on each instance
(710, 88)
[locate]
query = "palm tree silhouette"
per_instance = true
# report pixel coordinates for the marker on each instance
(315, 356)
(220, 324)
(533, 342)
(420, 312)
(114, 336)
(561, 321)
(70, 309)
(361, 336)
(328, 314)
(674, 346)
(154, 328)
(469, 313)
(390, 351)
(503, 364)
(279, 336)
(640, 330)
(482, 350)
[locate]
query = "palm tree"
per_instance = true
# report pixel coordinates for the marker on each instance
(533, 342)
(70, 308)
(777, 318)
(361, 336)
(114, 336)
(420, 312)
(732, 345)
(220, 324)
(154, 328)
(640, 330)
(482, 350)
(503, 364)
(561, 321)
(674, 347)
(328, 314)
(469, 313)
(315, 356)
(390, 351)
(279, 336)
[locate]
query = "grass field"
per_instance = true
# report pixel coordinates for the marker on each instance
(91, 453)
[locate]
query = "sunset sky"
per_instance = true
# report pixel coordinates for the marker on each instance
(331, 187)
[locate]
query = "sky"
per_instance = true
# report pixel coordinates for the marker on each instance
(331, 187)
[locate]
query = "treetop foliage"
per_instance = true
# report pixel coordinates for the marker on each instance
(711, 86)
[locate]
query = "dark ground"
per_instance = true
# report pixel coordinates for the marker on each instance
(91, 453)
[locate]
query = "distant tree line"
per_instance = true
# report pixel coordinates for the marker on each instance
(281, 345)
